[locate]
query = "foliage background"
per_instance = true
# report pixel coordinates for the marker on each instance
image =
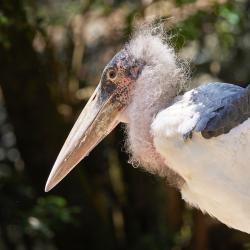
(52, 53)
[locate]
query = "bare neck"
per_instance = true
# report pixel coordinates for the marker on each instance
(145, 105)
(159, 83)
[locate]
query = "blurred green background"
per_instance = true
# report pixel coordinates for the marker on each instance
(52, 53)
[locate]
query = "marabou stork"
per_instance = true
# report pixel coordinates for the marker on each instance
(200, 139)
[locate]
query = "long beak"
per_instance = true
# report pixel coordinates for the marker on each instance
(97, 120)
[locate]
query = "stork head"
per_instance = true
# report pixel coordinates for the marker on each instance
(139, 81)
(100, 115)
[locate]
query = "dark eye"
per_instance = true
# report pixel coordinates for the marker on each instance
(112, 74)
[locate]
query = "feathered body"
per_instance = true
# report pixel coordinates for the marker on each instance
(216, 170)
(165, 135)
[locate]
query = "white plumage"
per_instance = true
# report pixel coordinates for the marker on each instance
(216, 171)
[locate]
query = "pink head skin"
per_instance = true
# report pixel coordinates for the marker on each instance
(100, 115)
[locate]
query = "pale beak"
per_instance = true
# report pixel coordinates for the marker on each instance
(98, 119)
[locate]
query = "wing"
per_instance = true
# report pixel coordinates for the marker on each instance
(228, 106)
(211, 109)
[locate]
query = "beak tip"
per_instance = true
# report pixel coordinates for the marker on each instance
(51, 183)
(48, 187)
(55, 176)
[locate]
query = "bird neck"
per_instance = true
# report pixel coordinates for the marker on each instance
(146, 103)
(161, 80)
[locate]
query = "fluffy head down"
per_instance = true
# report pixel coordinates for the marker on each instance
(162, 78)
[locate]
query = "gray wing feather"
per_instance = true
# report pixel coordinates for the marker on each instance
(221, 107)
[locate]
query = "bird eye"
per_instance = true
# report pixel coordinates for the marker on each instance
(112, 74)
